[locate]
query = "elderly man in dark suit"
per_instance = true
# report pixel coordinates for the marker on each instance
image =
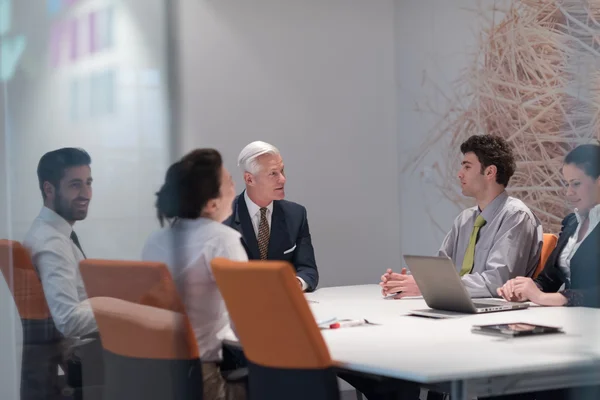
(272, 228)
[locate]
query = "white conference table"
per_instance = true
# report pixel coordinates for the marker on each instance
(444, 354)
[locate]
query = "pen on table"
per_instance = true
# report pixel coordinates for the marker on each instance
(387, 296)
(312, 301)
(348, 323)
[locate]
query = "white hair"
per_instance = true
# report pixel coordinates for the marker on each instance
(247, 160)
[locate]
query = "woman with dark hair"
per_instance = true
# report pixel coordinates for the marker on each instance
(191, 205)
(575, 261)
(571, 276)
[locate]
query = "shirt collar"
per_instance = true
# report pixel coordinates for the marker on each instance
(254, 209)
(490, 211)
(56, 221)
(594, 215)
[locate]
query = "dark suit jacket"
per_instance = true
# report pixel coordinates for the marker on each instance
(584, 288)
(289, 228)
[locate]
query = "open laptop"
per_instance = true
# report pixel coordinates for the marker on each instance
(442, 289)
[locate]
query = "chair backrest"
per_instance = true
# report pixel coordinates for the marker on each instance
(149, 352)
(287, 356)
(23, 281)
(271, 315)
(548, 246)
(141, 282)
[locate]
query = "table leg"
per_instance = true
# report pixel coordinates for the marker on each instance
(458, 390)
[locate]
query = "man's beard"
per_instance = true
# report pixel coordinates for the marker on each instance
(66, 210)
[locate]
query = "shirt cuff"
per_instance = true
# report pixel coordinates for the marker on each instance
(304, 285)
(574, 298)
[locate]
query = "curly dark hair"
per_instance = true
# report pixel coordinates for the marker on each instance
(492, 150)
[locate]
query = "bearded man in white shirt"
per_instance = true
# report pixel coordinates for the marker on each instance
(65, 180)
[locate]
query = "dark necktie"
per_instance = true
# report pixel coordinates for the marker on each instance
(263, 234)
(75, 240)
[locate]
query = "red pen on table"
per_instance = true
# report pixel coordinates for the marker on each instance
(348, 323)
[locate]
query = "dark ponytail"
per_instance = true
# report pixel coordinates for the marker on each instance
(587, 158)
(189, 184)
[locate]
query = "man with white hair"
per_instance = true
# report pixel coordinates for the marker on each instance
(271, 227)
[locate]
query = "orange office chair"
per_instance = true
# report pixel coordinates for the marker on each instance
(149, 353)
(23, 281)
(287, 356)
(142, 282)
(134, 281)
(41, 340)
(548, 246)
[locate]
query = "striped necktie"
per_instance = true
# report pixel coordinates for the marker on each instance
(263, 234)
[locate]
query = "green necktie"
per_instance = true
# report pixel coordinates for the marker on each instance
(467, 264)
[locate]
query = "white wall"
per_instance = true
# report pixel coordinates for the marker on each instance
(315, 78)
(123, 126)
(435, 41)
(428, 58)
(11, 332)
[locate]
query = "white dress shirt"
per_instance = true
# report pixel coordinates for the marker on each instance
(56, 259)
(564, 260)
(254, 212)
(187, 249)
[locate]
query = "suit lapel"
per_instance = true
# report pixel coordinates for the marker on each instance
(279, 235)
(567, 232)
(588, 247)
(243, 224)
(566, 235)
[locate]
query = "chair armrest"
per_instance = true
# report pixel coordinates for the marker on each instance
(235, 375)
(86, 363)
